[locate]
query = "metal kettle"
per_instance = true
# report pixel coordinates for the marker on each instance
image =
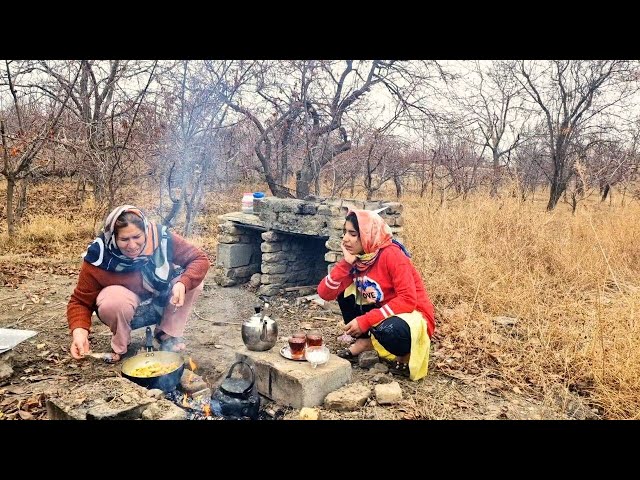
(260, 332)
(236, 397)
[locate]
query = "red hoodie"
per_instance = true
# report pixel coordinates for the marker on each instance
(392, 283)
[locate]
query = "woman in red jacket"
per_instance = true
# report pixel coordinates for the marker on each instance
(381, 296)
(132, 261)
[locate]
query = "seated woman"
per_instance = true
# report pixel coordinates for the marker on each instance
(133, 260)
(383, 301)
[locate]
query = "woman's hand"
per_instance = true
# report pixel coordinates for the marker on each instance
(352, 328)
(80, 343)
(350, 258)
(177, 294)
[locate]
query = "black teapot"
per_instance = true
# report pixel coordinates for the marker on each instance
(236, 398)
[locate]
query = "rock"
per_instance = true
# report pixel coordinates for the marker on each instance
(380, 368)
(348, 398)
(190, 382)
(163, 410)
(308, 413)
(155, 393)
(255, 280)
(151, 412)
(381, 378)
(388, 394)
(5, 370)
(368, 359)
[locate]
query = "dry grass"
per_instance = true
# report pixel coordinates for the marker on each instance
(571, 281)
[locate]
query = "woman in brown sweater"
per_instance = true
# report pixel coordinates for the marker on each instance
(134, 260)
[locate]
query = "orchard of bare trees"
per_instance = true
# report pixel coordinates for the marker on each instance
(567, 129)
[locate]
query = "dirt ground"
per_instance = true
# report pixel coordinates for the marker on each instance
(36, 299)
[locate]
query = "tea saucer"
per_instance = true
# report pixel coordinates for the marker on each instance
(285, 351)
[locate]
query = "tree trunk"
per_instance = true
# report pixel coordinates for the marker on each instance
(11, 183)
(574, 202)
(557, 189)
(398, 183)
(495, 180)
(22, 201)
(303, 181)
(175, 209)
(317, 184)
(605, 192)
(189, 217)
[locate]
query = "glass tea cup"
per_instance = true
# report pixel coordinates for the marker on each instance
(296, 346)
(300, 334)
(314, 339)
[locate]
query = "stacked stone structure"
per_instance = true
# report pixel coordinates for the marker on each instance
(289, 242)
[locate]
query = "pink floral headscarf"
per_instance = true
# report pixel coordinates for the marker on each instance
(374, 235)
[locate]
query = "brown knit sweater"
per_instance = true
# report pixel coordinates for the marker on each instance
(92, 279)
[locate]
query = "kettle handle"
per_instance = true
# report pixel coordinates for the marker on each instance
(253, 378)
(263, 333)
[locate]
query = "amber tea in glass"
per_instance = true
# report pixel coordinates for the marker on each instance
(296, 346)
(314, 339)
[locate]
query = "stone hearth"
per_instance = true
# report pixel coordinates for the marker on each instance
(290, 242)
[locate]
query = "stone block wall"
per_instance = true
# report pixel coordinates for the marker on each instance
(239, 255)
(290, 260)
(290, 242)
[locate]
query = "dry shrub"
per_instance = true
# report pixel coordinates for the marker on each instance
(47, 229)
(46, 234)
(570, 281)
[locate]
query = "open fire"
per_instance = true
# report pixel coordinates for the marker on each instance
(200, 406)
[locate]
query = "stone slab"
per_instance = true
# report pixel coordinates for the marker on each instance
(234, 255)
(247, 219)
(295, 383)
(114, 398)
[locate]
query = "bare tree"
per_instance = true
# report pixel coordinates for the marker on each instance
(305, 106)
(461, 161)
(570, 94)
(105, 102)
(341, 174)
(377, 158)
(25, 132)
(196, 115)
(527, 166)
(490, 98)
(612, 163)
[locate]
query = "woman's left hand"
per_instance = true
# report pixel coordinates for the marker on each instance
(177, 297)
(352, 328)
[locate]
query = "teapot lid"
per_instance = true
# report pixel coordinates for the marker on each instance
(237, 386)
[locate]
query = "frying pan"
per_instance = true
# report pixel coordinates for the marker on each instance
(165, 382)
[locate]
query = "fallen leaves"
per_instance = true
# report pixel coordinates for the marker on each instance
(24, 415)
(20, 408)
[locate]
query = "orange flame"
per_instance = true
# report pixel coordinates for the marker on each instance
(207, 410)
(193, 365)
(185, 400)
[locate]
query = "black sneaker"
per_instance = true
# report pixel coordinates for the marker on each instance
(347, 355)
(400, 369)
